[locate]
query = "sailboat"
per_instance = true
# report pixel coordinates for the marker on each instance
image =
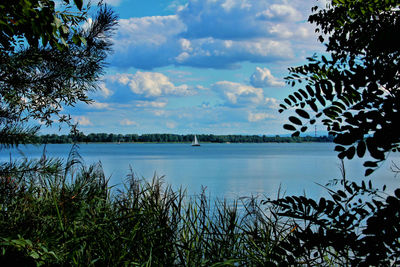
(195, 142)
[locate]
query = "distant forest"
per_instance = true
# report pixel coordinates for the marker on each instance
(173, 138)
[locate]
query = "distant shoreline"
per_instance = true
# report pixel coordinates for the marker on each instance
(174, 138)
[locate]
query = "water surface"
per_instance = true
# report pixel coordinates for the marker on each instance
(226, 170)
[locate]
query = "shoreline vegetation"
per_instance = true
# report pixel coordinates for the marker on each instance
(63, 214)
(173, 138)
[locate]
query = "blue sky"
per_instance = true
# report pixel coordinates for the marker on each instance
(200, 66)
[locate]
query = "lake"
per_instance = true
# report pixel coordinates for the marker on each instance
(226, 170)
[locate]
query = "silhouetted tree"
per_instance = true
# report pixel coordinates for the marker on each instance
(48, 59)
(354, 87)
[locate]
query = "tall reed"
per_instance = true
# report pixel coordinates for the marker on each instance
(64, 213)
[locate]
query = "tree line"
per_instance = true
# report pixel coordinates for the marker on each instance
(173, 138)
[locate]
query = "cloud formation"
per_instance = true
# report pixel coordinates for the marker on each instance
(101, 106)
(104, 90)
(153, 104)
(262, 77)
(213, 34)
(171, 124)
(254, 117)
(240, 95)
(280, 12)
(147, 42)
(151, 84)
(127, 122)
(82, 120)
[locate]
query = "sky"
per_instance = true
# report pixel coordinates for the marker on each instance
(200, 66)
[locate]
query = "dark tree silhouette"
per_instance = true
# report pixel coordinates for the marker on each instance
(354, 88)
(48, 59)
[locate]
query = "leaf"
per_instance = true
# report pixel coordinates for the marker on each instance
(34, 255)
(339, 105)
(295, 120)
(289, 127)
(348, 189)
(371, 164)
(296, 134)
(287, 101)
(342, 194)
(368, 172)
(83, 40)
(339, 148)
(341, 155)
(76, 39)
(321, 204)
(397, 192)
(302, 113)
(324, 60)
(79, 4)
(350, 152)
(361, 149)
(338, 88)
(336, 197)
(321, 100)
(310, 90)
(299, 97)
(303, 93)
(294, 100)
(313, 106)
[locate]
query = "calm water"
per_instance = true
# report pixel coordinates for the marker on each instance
(227, 170)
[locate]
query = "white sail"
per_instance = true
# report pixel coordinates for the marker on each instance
(195, 142)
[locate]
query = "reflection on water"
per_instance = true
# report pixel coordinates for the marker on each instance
(227, 170)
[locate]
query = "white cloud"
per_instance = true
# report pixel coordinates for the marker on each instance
(104, 90)
(228, 19)
(262, 77)
(239, 94)
(253, 117)
(147, 42)
(99, 105)
(82, 120)
(151, 84)
(153, 104)
(217, 53)
(159, 112)
(214, 34)
(280, 12)
(272, 102)
(171, 124)
(127, 122)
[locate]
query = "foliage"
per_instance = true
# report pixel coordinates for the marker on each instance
(38, 79)
(354, 87)
(38, 23)
(358, 226)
